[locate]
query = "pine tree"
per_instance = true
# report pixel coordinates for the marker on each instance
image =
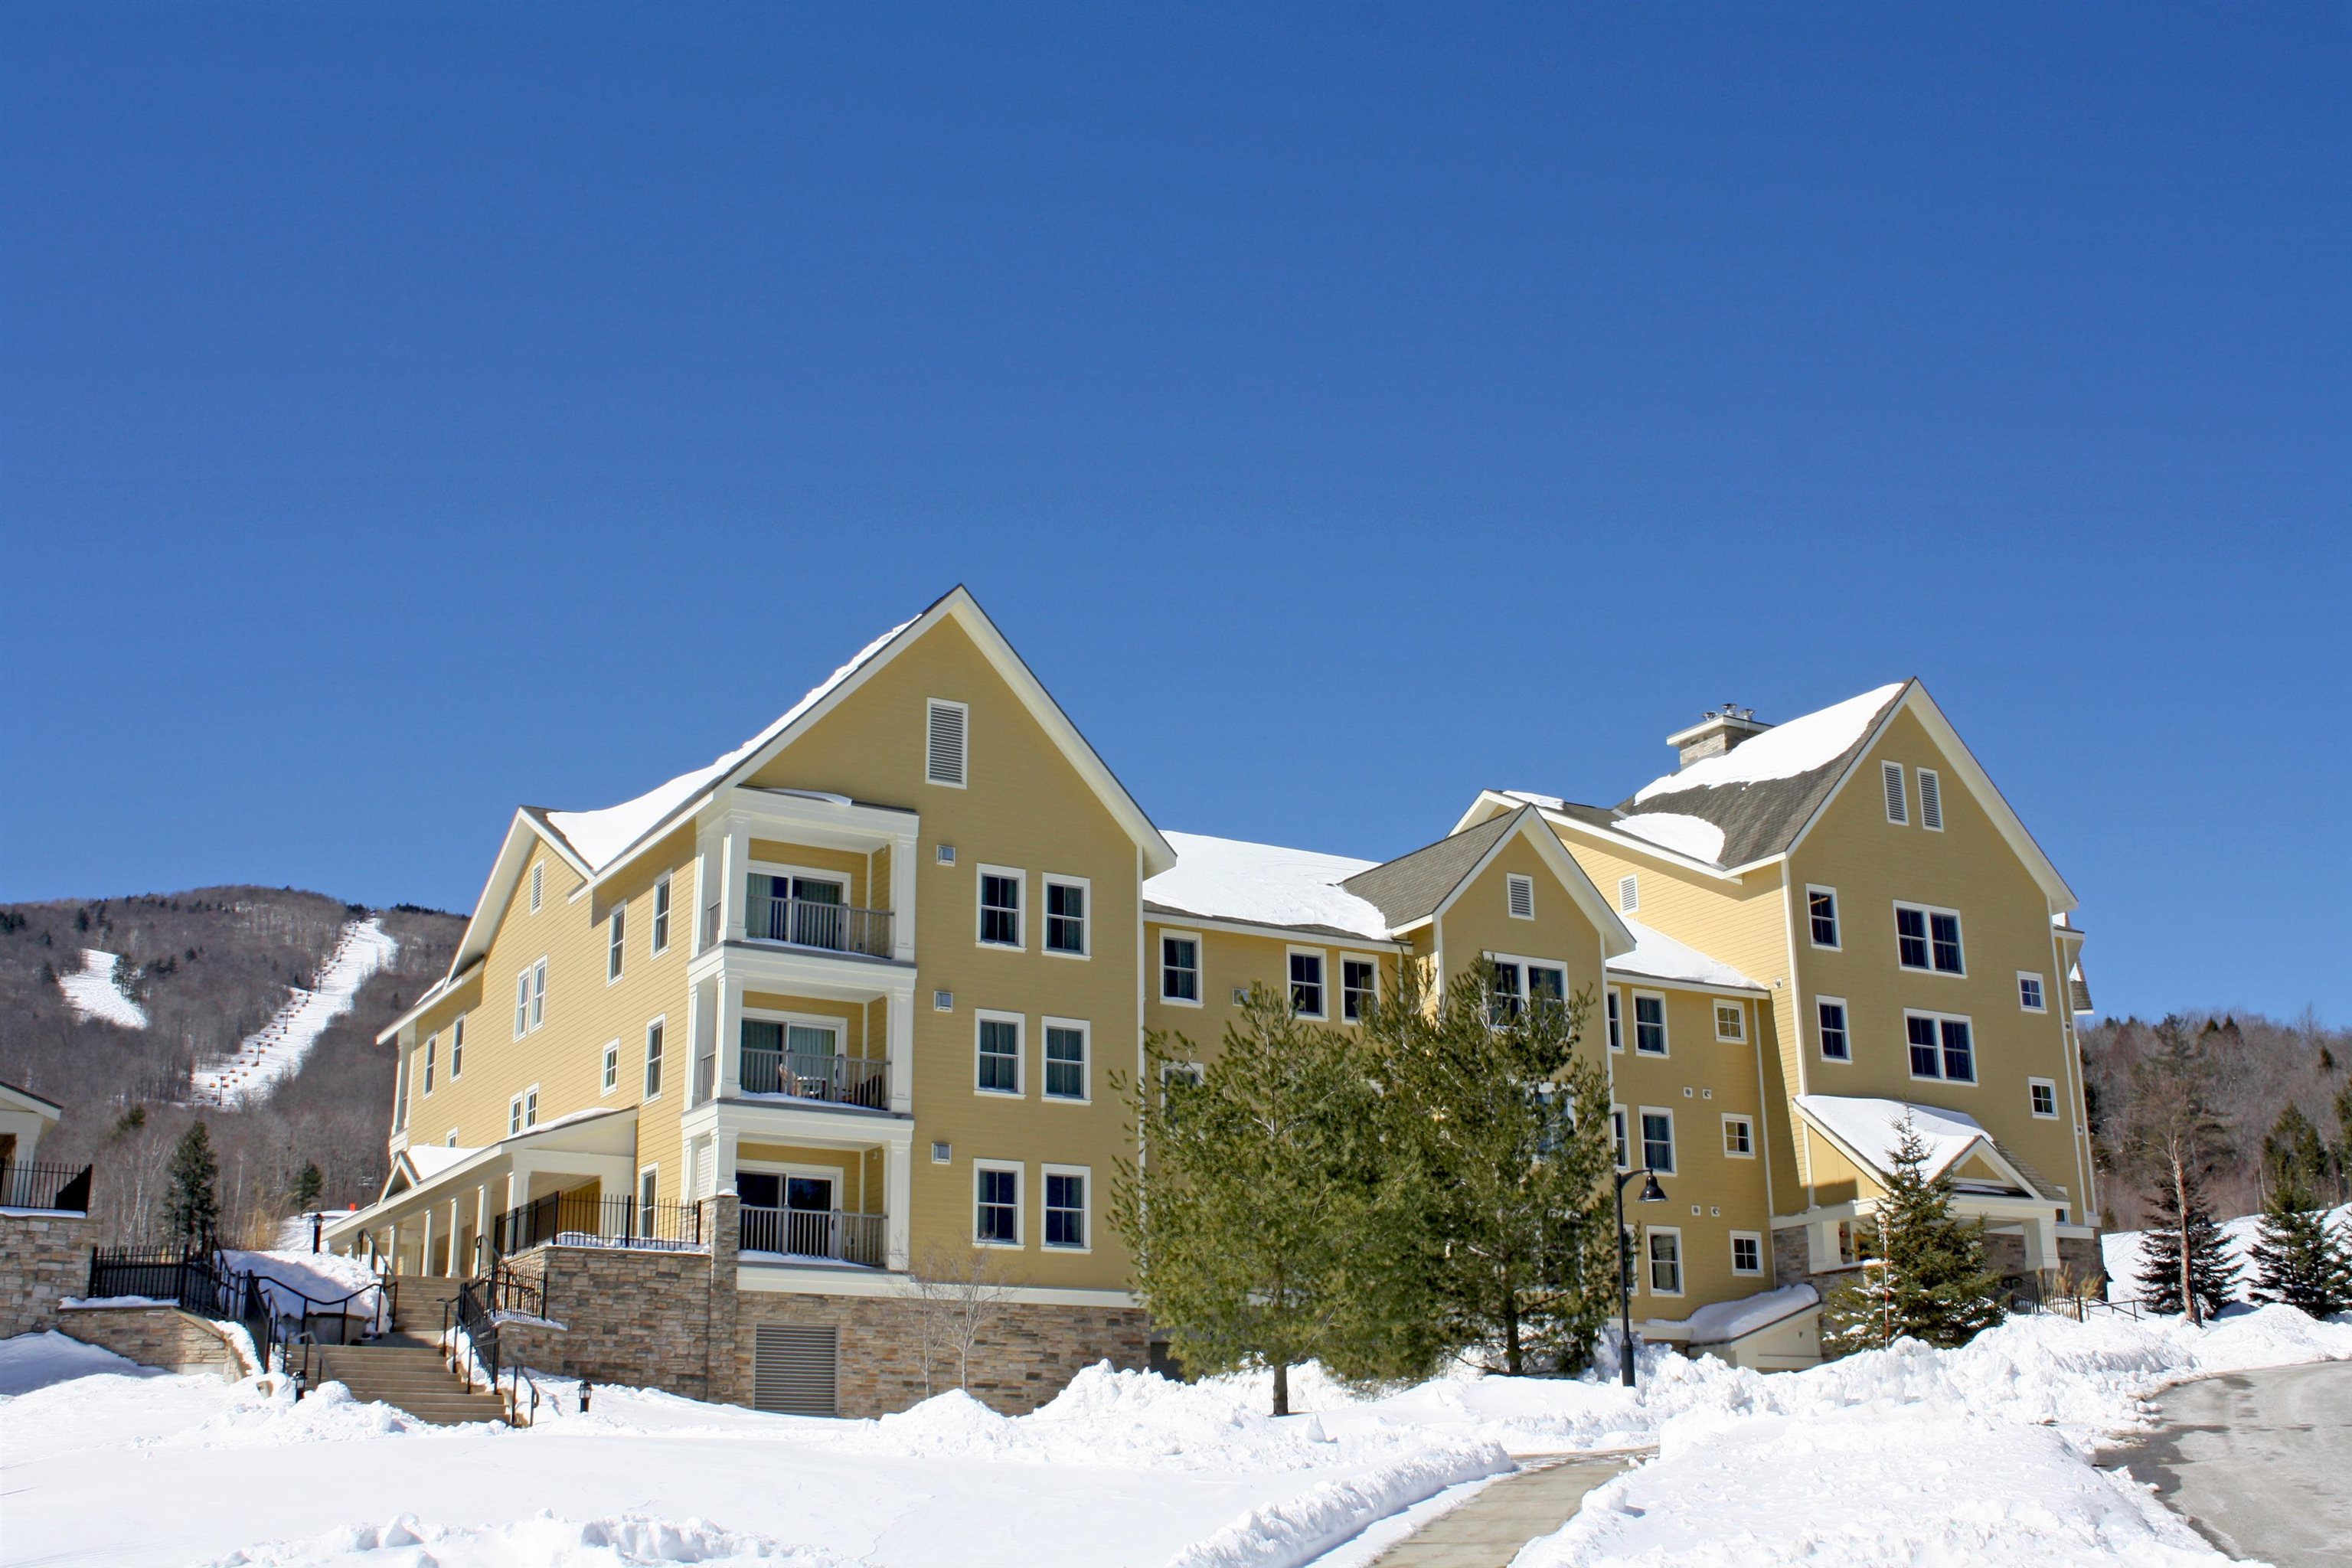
(307, 1185)
(1264, 1227)
(2293, 1153)
(193, 1207)
(2174, 1137)
(1505, 1127)
(1929, 1279)
(2185, 1227)
(2297, 1258)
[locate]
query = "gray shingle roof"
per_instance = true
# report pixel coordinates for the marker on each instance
(1411, 887)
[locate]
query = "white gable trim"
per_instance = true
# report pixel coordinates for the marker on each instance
(1614, 938)
(506, 873)
(1981, 1143)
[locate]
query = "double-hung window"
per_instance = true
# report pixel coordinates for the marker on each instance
(1066, 1208)
(1616, 1024)
(1000, 1054)
(522, 1004)
(1360, 986)
(1065, 917)
(996, 1205)
(1180, 969)
(1928, 939)
(1547, 983)
(654, 1057)
(1508, 996)
(432, 1049)
(1649, 1025)
(530, 999)
(1820, 904)
(661, 915)
(1617, 1135)
(1307, 985)
(1066, 1059)
(1941, 1048)
(1828, 1014)
(1000, 908)
(1658, 1140)
(1665, 1262)
(616, 943)
(611, 1079)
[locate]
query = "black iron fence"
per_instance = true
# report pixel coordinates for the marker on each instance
(33, 1184)
(815, 1233)
(569, 1219)
(281, 1318)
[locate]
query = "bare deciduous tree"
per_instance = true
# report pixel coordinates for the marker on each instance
(958, 1294)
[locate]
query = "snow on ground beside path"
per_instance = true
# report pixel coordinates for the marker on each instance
(2123, 1253)
(275, 1049)
(92, 992)
(544, 1541)
(36, 1360)
(321, 1275)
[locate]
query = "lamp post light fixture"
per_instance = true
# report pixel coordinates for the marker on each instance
(1651, 1194)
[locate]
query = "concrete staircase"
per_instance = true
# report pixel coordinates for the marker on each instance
(410, 1376)
(420, 1298)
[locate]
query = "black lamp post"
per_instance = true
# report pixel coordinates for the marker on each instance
(1651, 1194)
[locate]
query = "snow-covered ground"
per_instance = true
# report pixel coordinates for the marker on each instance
(1910, 1456)
(275, 1049)
(92, 993)
(2123, 1253)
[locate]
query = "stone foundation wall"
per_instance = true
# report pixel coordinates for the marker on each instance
(1024, 1356)
(164, 1337)
(43, 1259)
(628, 1315)
(2080, 1256)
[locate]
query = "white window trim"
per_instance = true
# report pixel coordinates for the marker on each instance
(660, 1021)
(616, 954)
(1322, 956)
(1895, 796)
(657, 920)
(609, 1070)
(1733, 1246)
(1844, 1011)
(2041, 985)
(1049, 880)
(1747, 1121)
(1513, 882)
(2050, 1084)
(1612, 1018)
(931, 705)
(450, 1141)
(1620, 1118)
(1347, 958)
(1650, 1233)
(1837, 918)
(1199, 966)
(1931, 783)
(516, 1111)
(1085, 1210)
(432, 1052)
(1738, 1012)
(1020, 1023)
(1673, 1142)
(1085, 1065)
(1931, 910)
(1941, 1019)
(522, 1002)
(1666, 1028)
(1020, 1203)
(457, 1047)
(1020, 914)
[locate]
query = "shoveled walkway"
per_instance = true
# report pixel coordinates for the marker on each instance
(1488, 1531)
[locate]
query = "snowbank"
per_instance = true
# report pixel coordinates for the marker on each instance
(544, 1541)
(1298, 1529)
(36, 1360)
(93, 991)
(2123, 1253)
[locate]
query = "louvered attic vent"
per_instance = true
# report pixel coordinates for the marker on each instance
(943, 753)
(1522, 897)
(1891, 775)
(1931, 800)
(1629, 895)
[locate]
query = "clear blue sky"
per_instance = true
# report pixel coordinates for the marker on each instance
(407, 411)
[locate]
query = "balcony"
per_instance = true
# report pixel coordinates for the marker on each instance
(31, 1184)
(807, 922)
(827, 1234)
(819, 1076)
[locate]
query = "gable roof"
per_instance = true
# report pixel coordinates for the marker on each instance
(1868, 1131)
(16, 1098)
(1419, 887)
(597, 843)
(1758, 799)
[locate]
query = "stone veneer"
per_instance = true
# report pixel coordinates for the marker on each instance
(162, 1336)
(44, 1258)
(2078, 1255)
(677, 1321)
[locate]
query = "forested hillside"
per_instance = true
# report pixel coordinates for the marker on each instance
(2259, 1069)
(195, 974)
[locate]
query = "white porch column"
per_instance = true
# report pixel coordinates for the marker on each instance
(1821, 1246)
(395, 1248)
(898, 1182)
(482, 1222)
(457, 1269)
(898, 1008)
(730, 1032)
(722, 1163)
(2040, 1244)
(735, 876)
(903, 849)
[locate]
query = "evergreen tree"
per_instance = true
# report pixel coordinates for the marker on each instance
(1929, 1278)
(2293, 1153)
(307, 1185)
(1505, 1127)
(2184, 1249)
(194, 1206)
(2297, 1258)
(1261, 1222)
(2174, 1137)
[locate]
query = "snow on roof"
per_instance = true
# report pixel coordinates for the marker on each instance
(600, 836)
(1264, 884)
(1548, 802)
(92, 993)
(1661, 957)
(1693, 836)
(1719, 1322)
(431, 1158)
(1784, 751)
(1872, 1128)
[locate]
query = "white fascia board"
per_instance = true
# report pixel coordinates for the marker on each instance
(1704, 988)
(435, 993)
(506, 871)
(1304, 936)
(1614, 938)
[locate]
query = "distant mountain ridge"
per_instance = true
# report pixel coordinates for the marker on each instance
(205, 969)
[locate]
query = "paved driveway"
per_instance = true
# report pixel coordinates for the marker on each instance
(2259, 1461)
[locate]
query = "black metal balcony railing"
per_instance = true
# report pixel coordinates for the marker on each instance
(32, 1184)
(568, 1219)
(837, 1081)
(836, 928)
(815, 1233)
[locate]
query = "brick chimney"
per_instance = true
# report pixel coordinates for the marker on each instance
(1716, 732)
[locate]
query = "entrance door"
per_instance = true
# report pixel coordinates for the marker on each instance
(808, 1217)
